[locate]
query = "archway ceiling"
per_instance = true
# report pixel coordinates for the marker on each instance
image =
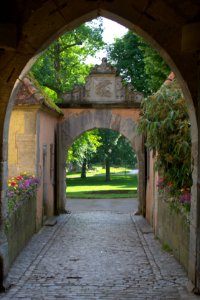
(38, 22)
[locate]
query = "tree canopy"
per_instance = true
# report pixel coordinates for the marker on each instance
(101, 146)
(138, 63)
(83, 149)
(63, 63)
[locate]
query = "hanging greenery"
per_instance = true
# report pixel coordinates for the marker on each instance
(165, 122)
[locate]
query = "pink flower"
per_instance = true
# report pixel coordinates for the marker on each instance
(185, 197)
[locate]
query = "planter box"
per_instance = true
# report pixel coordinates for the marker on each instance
(22, 226)
(173, 230)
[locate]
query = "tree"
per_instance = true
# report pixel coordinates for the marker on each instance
(109, 139)
(83, 149)
(63, 63)
(114, 150)
(138, 63)
(123, 154)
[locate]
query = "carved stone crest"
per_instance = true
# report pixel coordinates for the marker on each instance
(103, 86)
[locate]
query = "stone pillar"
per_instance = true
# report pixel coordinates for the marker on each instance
(141, 184)
(197, 271)
(61, 171)
(4, 259)
(191, 43)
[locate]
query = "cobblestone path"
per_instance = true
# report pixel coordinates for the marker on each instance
(96, 255)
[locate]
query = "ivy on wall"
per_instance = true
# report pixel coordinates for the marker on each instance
(165, 122)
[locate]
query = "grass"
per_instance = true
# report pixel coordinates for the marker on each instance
(101, 171)
(95, 186)
(166, 248)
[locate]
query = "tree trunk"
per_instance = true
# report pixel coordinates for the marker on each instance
(107, 169)
(83, 170)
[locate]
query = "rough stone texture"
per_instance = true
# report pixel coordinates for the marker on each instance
(20, 228)
(22, 141)
(173, 230)
(103, 86)
(37, 23)
(96, 255)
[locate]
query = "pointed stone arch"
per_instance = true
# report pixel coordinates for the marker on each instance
(43, 22)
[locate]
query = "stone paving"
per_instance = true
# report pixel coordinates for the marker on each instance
(96, 255)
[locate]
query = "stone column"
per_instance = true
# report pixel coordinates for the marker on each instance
(61, 171)
(191, 43)
(142, 182)
(197, 269)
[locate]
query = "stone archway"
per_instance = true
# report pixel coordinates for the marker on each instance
(123, 121)
(160, 23)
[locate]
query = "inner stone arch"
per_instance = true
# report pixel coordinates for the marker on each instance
(77, 122)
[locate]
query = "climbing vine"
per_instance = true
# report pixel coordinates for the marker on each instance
(165, 122)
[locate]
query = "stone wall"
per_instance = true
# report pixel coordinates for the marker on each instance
(173, 230)
(46, 132)
(22, 142)
(169, 226)
(20, 227)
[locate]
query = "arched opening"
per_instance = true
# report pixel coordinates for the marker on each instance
(115, 119)
(129, 24)
(101, 167)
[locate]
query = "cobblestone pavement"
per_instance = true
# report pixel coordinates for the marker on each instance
(96, 255)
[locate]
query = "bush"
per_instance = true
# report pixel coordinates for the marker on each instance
(165, 123)
(20, 189)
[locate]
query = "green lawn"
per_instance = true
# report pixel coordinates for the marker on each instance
(101, 171)
(94, 187)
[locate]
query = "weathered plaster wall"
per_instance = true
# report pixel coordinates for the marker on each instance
(22, 142)
(151, 192)
(132, 113)
(46, 127)
(30, 130)
(169, 226)
(150, 205)
(173, 230)
(21, 158)
(21, 227)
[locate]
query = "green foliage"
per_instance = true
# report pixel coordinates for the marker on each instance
(20, 189)
(138, 63)
(99, 144)
(116, 148)
(49, 97)
(63, 63)
(84, 147)
(166, 248)
(155, 68)
(165, 123)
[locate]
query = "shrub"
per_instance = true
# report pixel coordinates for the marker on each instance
(20, 189)
(165, 123)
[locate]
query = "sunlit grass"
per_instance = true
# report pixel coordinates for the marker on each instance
(101, 171)
(119, 187)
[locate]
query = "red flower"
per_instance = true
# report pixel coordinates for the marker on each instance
(19, 177)
(13, 183)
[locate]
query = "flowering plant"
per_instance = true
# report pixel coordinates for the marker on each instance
(20, 189)
(182, 196)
